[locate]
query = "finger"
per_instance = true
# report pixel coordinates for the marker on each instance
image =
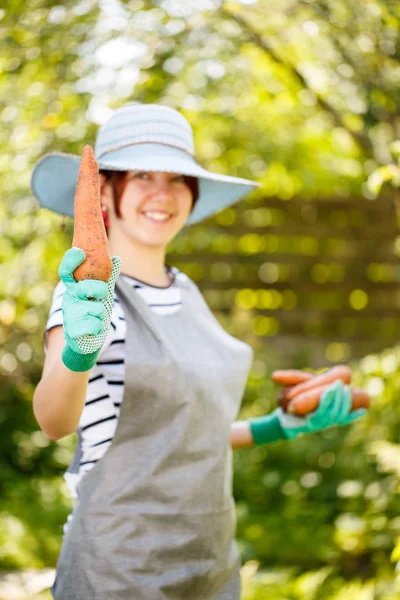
(87, 310)
(116, 269)
(90, 288)
(334, 410)
(345, 405)
(83, 309)
(327, 399)
(86, 326)
(356, 414)
(328, 405)
(116, 263)
(71, 260)
(94, 309)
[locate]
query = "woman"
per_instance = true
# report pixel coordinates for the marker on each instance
(155, 401)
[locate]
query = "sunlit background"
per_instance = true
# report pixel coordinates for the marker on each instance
(302, 96)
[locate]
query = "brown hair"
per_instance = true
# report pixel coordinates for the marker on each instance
(118, 181)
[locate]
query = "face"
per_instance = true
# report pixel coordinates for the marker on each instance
(154, 207)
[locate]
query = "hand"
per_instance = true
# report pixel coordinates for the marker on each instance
(86, 321)
(334, 409)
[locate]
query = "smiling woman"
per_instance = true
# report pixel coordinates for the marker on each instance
(155, 394)
(161, 356)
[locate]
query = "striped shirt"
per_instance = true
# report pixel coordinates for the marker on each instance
(105, 390)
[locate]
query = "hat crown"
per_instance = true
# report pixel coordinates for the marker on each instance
(144, 123)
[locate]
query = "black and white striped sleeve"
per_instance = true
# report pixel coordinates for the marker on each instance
(55, 315)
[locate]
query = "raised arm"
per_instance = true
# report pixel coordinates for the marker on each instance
(73, 349)
(60, 395)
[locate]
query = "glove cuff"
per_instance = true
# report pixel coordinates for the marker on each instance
(266, 429)
(78, 362)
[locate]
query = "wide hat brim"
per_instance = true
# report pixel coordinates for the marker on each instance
(55, 176)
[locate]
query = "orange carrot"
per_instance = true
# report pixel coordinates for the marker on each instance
(308, 401)
(291, 376)
(89, 230)
(359, 399)
(282, 398)
(339, 372)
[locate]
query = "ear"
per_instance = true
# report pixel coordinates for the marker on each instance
(105, 190)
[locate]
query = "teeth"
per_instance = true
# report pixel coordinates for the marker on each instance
(157, 216)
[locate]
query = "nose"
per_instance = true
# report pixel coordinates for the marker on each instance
(163, 188)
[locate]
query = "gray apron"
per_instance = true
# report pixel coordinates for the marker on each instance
(155, 518)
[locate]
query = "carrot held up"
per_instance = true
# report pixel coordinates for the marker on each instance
(88, 273)
(89, 230)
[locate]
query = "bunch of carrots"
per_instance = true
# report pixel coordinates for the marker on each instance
(302, 390)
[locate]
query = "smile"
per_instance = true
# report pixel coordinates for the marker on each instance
(158, 217)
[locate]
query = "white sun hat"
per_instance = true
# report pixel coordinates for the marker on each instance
(146, 137)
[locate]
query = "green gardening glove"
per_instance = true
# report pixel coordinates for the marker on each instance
(86, 321)
(334, 409)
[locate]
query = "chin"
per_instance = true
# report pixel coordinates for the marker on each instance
(153, 240)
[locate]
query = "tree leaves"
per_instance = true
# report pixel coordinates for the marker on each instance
(302, 96)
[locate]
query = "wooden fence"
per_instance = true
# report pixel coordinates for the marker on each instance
(319, 276)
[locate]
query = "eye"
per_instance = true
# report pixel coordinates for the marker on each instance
(179, 179)
(142, 175)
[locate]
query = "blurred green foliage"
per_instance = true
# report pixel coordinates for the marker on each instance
(303, 97)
